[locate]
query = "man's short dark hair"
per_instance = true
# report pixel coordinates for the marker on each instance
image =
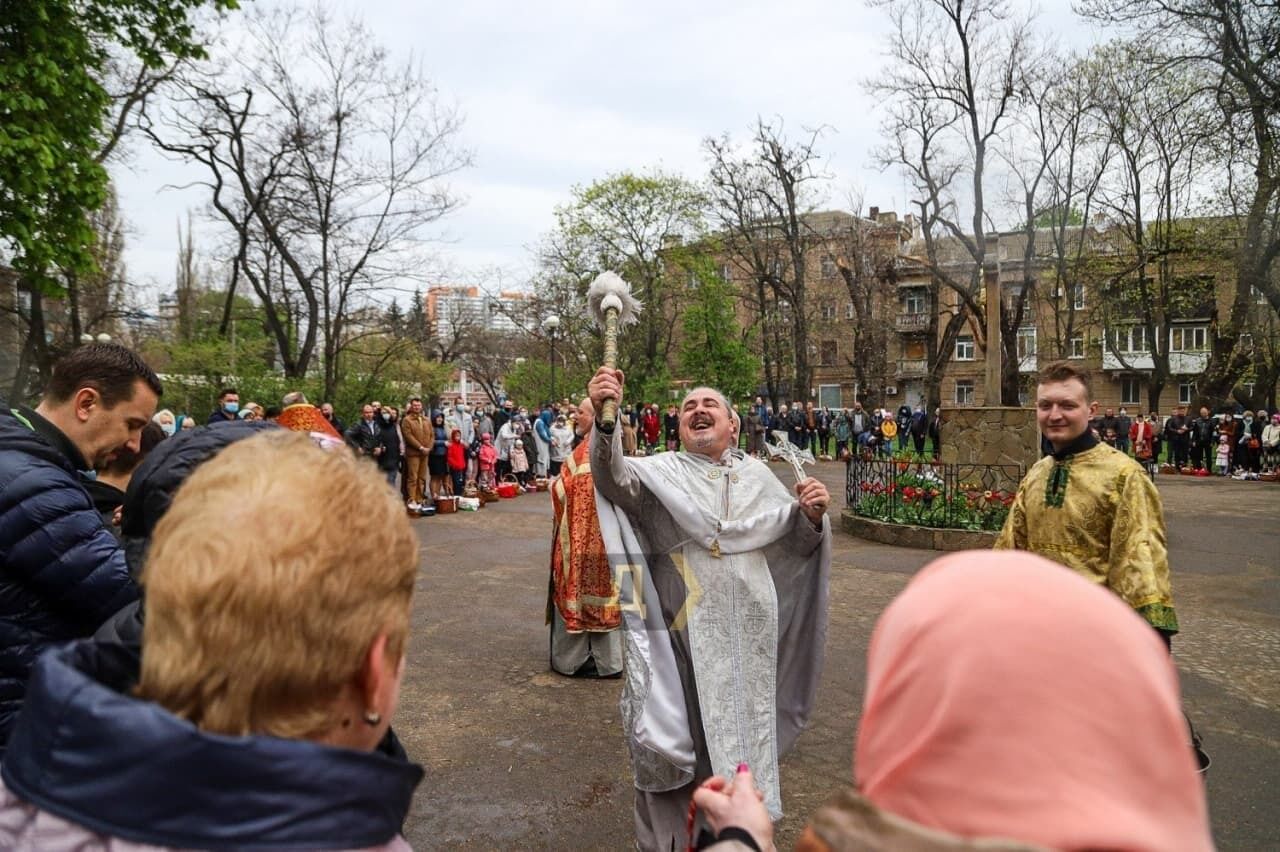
(414, 399)
(109, 368)
(1063, 371)
(227, 391)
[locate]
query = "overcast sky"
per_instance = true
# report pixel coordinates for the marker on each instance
(558, 93)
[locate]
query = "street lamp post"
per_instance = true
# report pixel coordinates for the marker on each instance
(551, 324)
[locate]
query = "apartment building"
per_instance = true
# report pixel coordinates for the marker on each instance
(1101, 314)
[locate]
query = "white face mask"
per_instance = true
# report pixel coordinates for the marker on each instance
(168, 428)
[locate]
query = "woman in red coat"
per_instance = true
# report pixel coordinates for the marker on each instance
(651, 426)
(456, 457)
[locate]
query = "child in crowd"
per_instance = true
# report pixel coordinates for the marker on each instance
(520, 464)
(1110, 437)
(1224, 455)
(488, 463)
(457, 460)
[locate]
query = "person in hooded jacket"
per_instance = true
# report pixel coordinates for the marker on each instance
(290, 751)
(392, 444)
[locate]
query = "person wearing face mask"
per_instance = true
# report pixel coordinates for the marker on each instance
(228, 406)
(392, 446)
(1123, 424)
(167, 422)
(1271, 445)
(1249, 444)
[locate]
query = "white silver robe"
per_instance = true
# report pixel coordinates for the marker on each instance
(747, 626)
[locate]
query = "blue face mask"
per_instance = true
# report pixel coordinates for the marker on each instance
(231, 407)
(169, 428)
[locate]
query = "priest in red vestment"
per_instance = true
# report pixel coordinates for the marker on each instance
(582, 600)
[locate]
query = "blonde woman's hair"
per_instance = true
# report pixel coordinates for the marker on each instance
(267, 581)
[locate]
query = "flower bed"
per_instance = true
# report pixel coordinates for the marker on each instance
(931, 494)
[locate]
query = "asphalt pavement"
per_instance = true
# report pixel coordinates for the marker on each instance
(517, 757)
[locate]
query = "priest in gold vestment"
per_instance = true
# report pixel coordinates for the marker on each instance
(1091, 507)
(582, 599)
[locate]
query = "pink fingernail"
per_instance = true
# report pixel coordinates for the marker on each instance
(742, 767)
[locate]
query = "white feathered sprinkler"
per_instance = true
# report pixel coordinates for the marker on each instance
(612, 306)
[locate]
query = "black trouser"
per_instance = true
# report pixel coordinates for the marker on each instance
(918, 440)
(1202, 455)
(1181, 454)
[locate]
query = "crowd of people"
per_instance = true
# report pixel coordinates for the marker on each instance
(1238, 443)
(216, 661)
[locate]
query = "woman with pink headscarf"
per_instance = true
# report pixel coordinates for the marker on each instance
(1011, 704)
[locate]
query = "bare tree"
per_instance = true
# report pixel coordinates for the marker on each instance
(327, 162)
(865, 255)
(954, 75)
(1230, 46)
(1151, 120)
(761, 198)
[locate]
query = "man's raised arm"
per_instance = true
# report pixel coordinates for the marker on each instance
(609, 470)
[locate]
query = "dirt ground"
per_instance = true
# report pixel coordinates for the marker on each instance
(519, 758)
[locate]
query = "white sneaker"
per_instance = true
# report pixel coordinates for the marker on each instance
(413, 507)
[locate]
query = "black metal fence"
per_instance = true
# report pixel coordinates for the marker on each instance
(931, 494)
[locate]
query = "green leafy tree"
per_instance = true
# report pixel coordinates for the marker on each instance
(53, 57)
(638, 225)
(712, 351)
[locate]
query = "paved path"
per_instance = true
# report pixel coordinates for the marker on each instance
(519, 758)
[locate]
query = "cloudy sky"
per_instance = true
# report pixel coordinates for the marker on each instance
(557, 93)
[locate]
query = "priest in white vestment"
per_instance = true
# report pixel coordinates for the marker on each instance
(723, 576)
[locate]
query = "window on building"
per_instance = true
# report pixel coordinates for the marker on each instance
(828, 353)
(829, 396)
(1129, 338)
(828, 266)
(914, 349)
(693, 280)
(848, 310)
(1077, 297)
(1188, 338)
(1075, 346)
(828, 310)
(914, 302)
(726, 272)
(1186, 393)
(964, 391)
(1130, 390)
(1026, 342)
(964, 347)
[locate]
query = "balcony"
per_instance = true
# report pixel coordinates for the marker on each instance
(1180, 363)
(912, 368)
(912, 322)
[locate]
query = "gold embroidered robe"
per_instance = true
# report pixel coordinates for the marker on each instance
(1098, 513)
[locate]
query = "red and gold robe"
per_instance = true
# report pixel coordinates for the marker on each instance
(582, 583)
(303, 417)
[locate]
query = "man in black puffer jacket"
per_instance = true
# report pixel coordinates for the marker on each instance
(62, 573)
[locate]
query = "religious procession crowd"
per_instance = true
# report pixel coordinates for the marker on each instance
(1235, 442)
(209, 657)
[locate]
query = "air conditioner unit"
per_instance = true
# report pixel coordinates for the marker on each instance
(891, 390)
